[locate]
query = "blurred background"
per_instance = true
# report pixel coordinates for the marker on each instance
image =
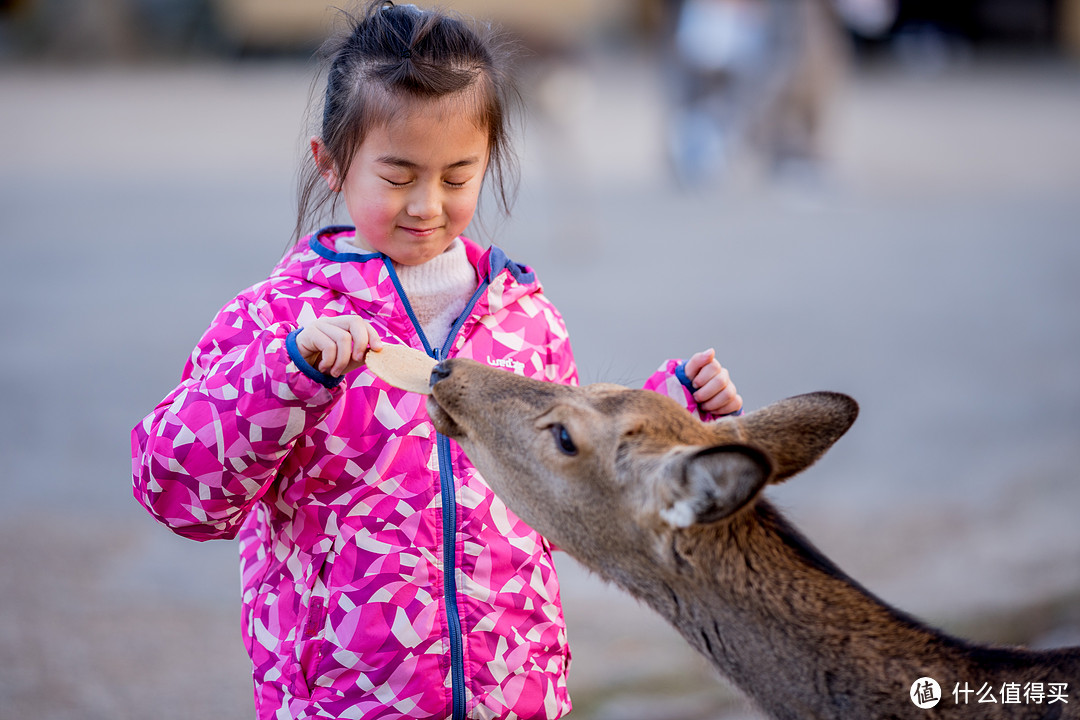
(878, 197)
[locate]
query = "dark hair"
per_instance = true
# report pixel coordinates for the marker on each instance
(393, 55)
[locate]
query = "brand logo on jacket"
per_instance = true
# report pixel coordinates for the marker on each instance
(508, 363)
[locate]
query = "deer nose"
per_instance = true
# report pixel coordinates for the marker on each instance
(441, 371)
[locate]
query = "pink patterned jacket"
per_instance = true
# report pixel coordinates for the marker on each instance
(381, 577)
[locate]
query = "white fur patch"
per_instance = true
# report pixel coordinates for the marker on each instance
(682, 514)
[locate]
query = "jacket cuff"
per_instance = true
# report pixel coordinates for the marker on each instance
(327, 381)
(683, 378)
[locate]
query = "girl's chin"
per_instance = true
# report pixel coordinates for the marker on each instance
(416, 253)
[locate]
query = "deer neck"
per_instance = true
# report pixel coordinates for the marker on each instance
(791, 630)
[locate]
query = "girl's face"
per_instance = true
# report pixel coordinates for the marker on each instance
(413, 185)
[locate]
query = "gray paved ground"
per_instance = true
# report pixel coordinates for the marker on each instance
(933, 276)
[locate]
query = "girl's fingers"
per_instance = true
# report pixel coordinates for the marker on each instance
(711, 380)
(359, 338)
(343, 345)
(363, 336)
(707, 374)
(716, 385)
(718, 408)
(719, 395)
(374, 341)
(715, 393)
(336, 345)
(318, 348)
(699, 361)
(333, 344)
(717, 398)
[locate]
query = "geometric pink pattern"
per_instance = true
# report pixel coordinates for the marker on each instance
(334, 496)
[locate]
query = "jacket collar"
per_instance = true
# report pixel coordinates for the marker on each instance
(368, 279)
(488, 262)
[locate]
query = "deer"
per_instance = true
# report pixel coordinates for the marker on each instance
(670, 509)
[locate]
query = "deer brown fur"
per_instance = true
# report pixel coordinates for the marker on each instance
(669, 508)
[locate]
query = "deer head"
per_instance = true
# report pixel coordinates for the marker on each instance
(601, 470)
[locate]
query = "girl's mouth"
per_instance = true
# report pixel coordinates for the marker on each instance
(419, 232)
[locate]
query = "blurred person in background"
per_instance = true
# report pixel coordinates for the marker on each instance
(756, 77)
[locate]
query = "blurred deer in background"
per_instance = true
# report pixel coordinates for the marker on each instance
(669, 509)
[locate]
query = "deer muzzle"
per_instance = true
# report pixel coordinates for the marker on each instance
(442, 419)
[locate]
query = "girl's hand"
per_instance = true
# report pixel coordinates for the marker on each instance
(337, 345)
(715, 392)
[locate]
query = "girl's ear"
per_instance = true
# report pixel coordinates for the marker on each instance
(326, 166)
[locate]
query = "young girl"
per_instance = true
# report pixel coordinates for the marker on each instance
(381, 577)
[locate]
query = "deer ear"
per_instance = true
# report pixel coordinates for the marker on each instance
(715, 483)
(795, 432)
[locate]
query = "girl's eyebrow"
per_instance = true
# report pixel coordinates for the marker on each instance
(410, 165)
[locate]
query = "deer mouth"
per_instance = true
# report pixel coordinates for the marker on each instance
(440, 417)
(442, 420)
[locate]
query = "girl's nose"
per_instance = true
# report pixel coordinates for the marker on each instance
(424, 203)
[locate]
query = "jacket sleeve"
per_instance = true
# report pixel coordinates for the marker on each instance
(670, 379)
(212, 447)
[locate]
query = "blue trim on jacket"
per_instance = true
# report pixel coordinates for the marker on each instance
(682, 377)
(315, 244)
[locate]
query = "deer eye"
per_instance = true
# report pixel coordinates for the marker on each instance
(563, 440)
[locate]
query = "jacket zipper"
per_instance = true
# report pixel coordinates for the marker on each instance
(453, 618)
(449, 499)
